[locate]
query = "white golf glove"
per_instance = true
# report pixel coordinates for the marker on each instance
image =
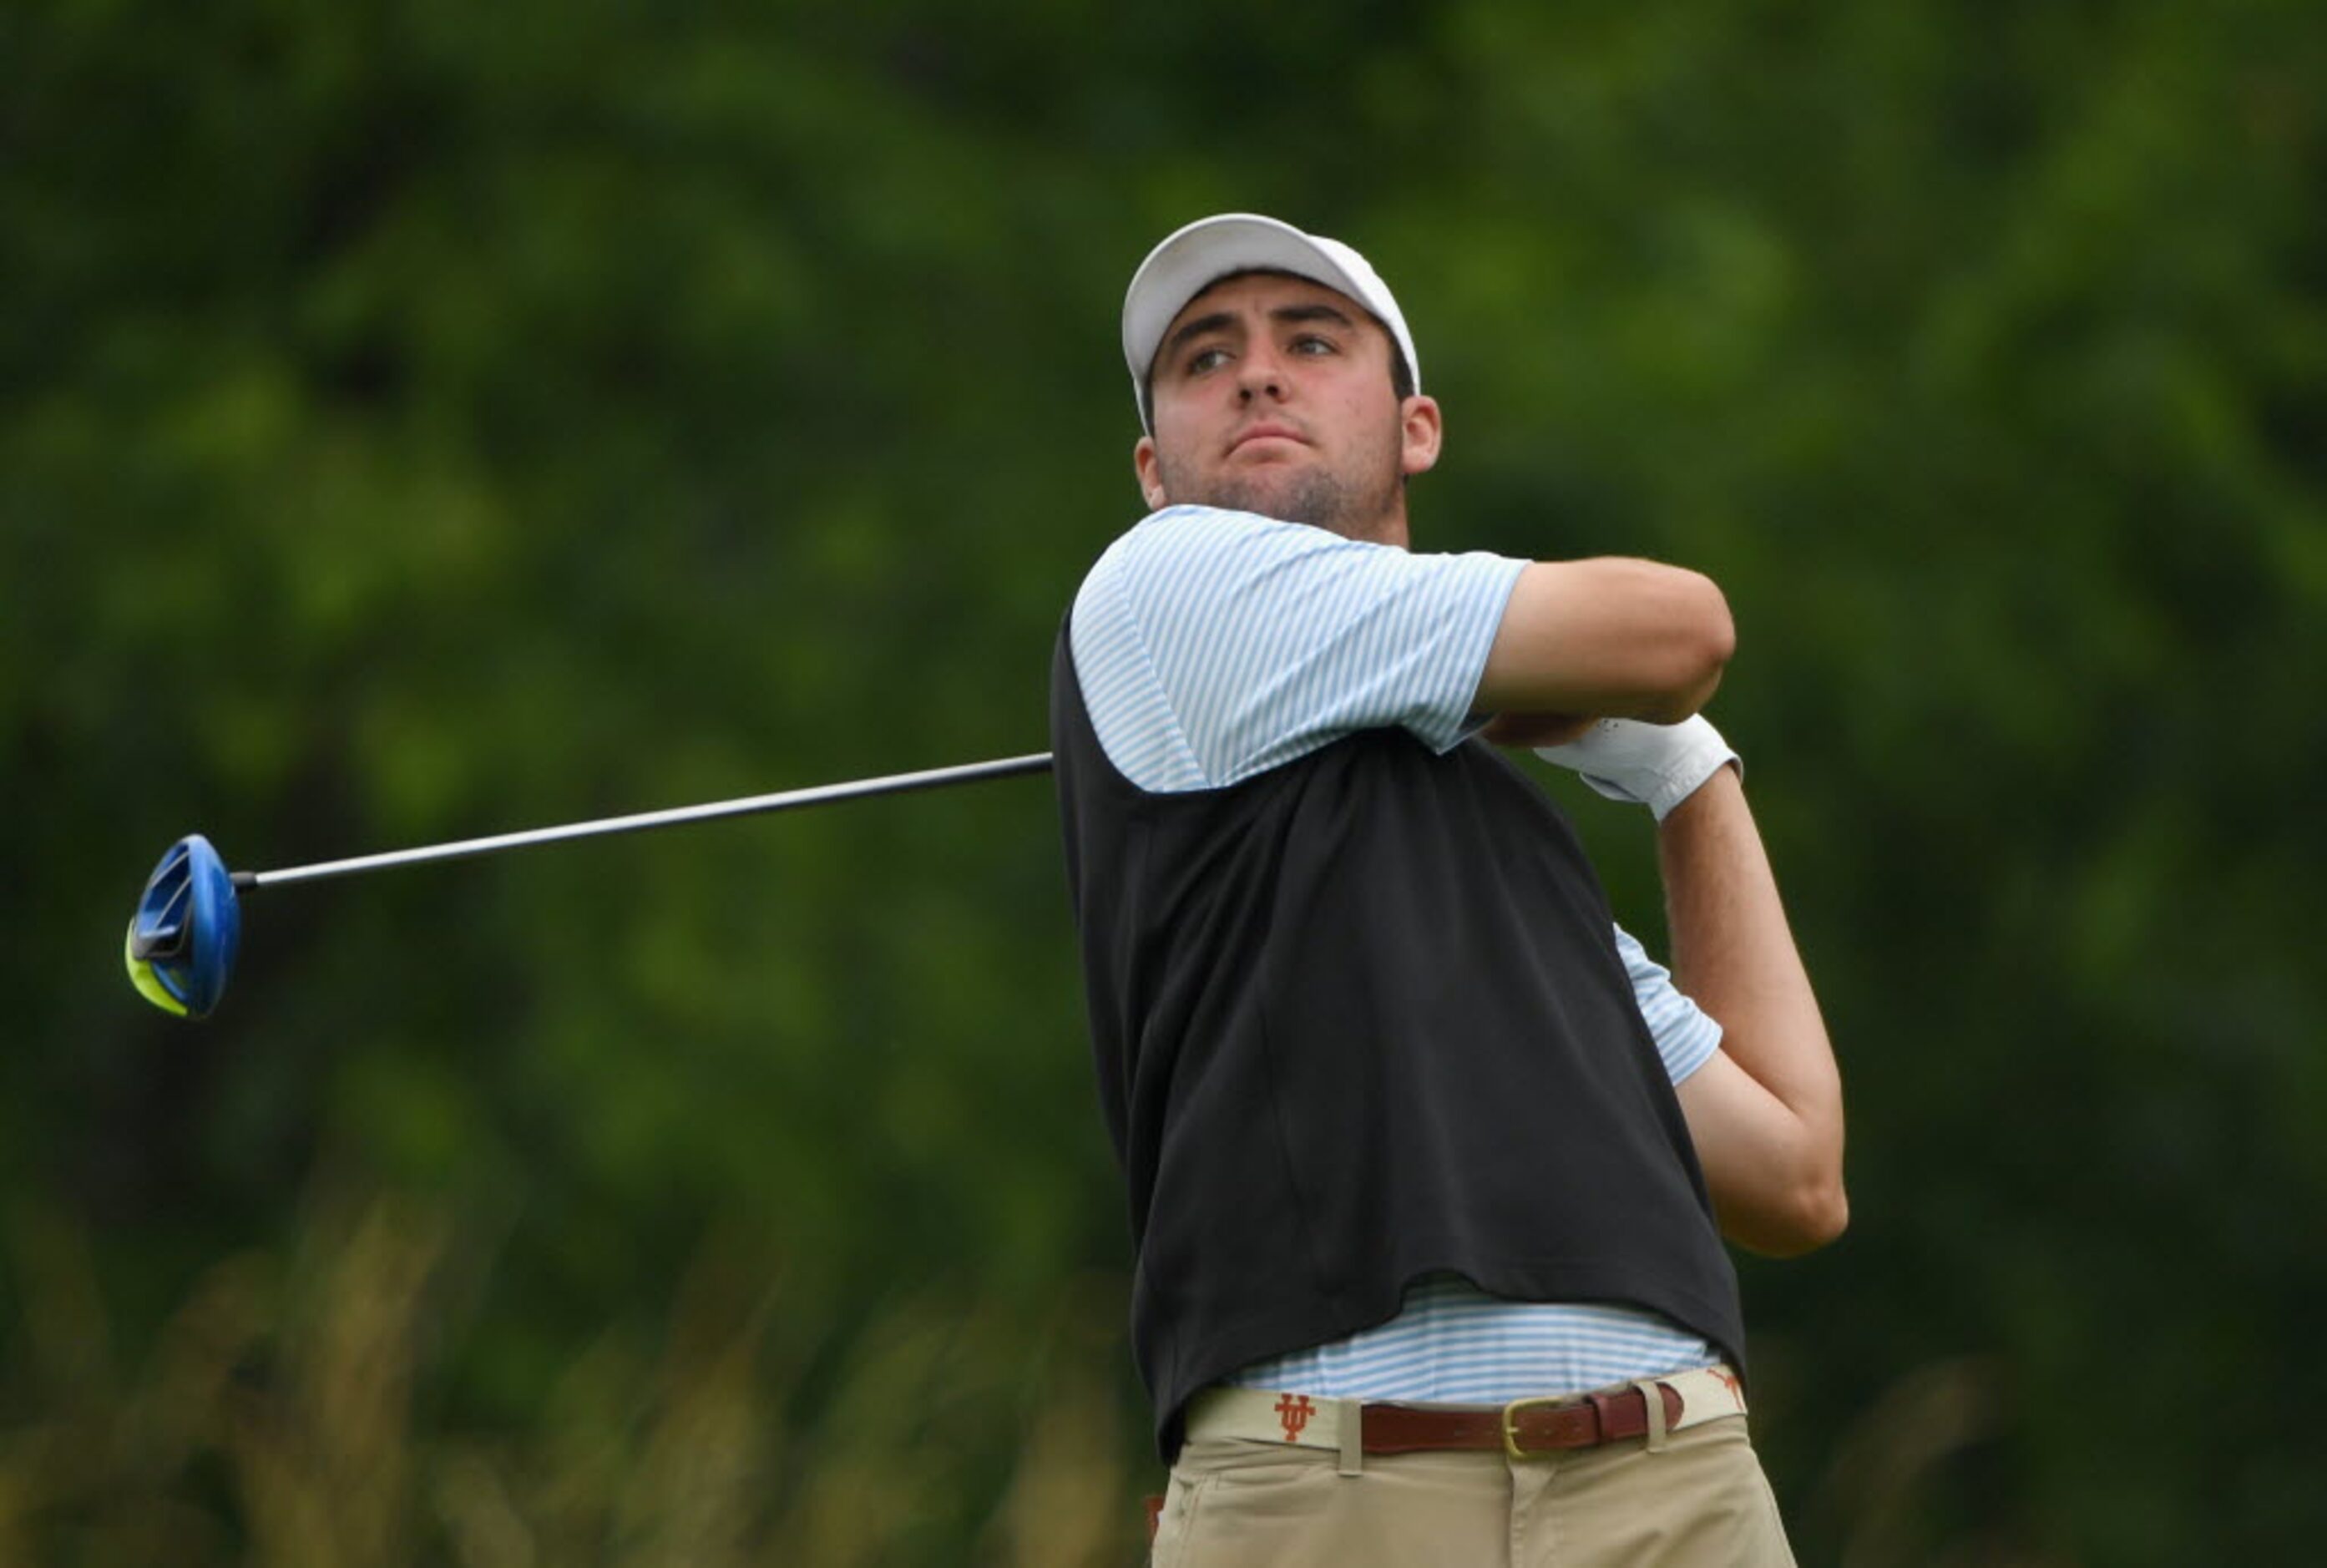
(1658, 766)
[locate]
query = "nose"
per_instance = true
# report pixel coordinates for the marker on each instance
(1260, 372)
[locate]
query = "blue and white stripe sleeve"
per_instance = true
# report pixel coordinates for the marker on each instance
(1686, 1035)
(1212, 645)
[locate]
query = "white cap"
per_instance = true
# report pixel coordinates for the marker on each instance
(1195, 258)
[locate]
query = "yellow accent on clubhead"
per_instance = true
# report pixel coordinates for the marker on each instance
(141, 975)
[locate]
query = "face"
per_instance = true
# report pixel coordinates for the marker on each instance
(1272, 394)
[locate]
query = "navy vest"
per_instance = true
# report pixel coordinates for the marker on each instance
(1357, 1019)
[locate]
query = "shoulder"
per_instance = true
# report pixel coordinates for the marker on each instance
(1212, 536)
(1237, 562)
(1174, 560)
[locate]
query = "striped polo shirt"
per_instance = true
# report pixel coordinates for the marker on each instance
(1212, 645)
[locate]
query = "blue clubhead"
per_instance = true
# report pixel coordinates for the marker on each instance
(182, 941)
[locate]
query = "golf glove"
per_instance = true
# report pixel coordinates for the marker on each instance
(1658, 766)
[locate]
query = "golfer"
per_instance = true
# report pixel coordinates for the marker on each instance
(1430, 1165)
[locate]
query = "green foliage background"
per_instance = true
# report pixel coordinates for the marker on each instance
(419, 420)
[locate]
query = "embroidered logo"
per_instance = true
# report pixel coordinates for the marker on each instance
(1294, 1410)
(1729, 1381)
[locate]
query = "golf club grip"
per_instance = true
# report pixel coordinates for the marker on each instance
(640, 822)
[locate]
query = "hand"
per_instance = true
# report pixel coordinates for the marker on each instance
(1658, 766)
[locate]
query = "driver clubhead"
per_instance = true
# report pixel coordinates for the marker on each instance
(182, 941)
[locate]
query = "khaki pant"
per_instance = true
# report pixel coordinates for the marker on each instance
(1701, 1499)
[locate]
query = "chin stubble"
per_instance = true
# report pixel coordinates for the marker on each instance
(1319, 500)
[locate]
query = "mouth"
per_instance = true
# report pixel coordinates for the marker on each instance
(1266, 432)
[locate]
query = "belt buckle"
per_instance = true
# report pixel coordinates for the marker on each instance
(1511, 1424)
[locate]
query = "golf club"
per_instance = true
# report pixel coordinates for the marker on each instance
(182, 941)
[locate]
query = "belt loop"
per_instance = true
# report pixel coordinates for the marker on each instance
(1350, 1422)
(1652, 1394)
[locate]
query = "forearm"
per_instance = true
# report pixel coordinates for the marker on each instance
(1779, 1163)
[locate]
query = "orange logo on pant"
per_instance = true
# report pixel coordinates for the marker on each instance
(1294, 1410)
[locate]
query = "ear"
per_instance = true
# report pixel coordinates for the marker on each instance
(1420, 432)
(1150, 470)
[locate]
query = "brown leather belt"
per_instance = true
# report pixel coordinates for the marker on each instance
(1522, 1427)
(1526, 1426)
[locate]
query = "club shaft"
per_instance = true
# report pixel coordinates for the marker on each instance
(640, 822)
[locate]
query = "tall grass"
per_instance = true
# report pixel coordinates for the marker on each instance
(283, 1417)
(290, 1412)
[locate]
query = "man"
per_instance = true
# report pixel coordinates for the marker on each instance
(1429, 1164)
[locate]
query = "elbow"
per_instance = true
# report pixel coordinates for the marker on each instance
(1810, 1217)
(1703, 641)
(1720, 638)
(1822, 1217)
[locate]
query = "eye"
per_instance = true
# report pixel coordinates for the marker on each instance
(1311, 344)
(1204, 360)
